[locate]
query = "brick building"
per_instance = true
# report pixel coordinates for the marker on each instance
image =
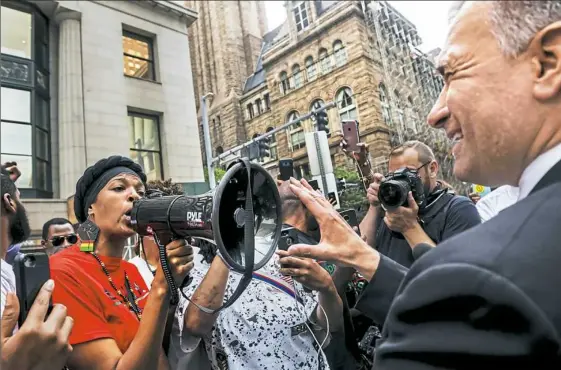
(360, 54)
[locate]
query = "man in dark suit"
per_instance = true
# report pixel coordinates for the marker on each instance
(489, 297)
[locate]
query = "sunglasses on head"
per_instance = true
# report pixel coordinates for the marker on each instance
(59, 240)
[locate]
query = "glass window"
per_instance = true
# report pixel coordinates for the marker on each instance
(15, 105)
(25, 165)
(16, 138)
(24, 131)
(42, 113)
(144, 144)
(310, 68)
(296, 132)
(42, 174)
(325, 61)
(41, 144)
(273, 147)
(250, 112)
(301, 16)
(340, 53)
(138, 56)
(16, 33)
(285, 84)
(273, 137)
(259, 106)
(297, 76)
(346, 104)
(267, 102)
(386, 113)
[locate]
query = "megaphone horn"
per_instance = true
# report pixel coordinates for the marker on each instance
(245, 202)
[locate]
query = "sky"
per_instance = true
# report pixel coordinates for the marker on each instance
(430, 18)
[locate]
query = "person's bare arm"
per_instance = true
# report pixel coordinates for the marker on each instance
(368, 226)
(310, 274)
(145, 351)
(209, 294)
(330, 305)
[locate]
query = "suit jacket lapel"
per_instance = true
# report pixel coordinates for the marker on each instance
(551, 177)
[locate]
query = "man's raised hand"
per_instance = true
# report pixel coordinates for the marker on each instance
(339, 242)
(39, 344)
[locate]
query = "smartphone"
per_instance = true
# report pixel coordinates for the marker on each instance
(350, 216)
(288, 237)
(314, 184)
(286, 168)
(31, 269)
(350, 134)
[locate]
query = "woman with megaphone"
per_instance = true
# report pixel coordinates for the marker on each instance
(117, 324)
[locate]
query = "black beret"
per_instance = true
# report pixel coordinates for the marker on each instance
(93, 173)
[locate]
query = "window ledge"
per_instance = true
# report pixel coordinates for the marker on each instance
(142, 79)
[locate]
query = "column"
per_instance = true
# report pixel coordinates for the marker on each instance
(71, 124)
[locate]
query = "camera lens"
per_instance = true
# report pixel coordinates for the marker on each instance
(393, 193)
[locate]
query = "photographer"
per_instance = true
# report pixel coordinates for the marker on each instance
(41, 342)
(268, 327)
(395, 232)
(106, 295)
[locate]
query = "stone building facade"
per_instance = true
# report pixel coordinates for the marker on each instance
(359, 54)
(82, 80)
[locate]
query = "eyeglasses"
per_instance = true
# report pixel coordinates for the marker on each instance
(59, 240)
(416, 170)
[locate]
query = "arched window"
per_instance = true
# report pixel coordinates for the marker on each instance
(273, 136)
(285, 83)
(386, 113)
(258, 104)
(250, 112)
(295, 132)
(273, 147)
(325, 61)
(296, 76)
(340, 53)
(310, 68)
(219, 150)
(346, 104)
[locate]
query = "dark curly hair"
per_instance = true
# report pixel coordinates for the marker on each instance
(163, 187)
(166, 187)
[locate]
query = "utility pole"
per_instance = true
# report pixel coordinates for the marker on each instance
(208, 147)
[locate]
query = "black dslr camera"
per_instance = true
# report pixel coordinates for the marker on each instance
(395, 187)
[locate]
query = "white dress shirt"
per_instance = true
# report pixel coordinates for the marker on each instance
(490, 205)
(8, 283)
(537, 170)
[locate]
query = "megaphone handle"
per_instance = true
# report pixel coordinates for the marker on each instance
(166, 270)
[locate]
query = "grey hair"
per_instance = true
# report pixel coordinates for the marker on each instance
(515, 23)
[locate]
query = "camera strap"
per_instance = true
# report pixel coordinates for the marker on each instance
(249, 248)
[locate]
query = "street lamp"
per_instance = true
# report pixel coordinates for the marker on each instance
(208, 148)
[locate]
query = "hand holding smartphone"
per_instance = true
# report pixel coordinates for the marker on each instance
(286, 169)
(32, 272)
(351, 135)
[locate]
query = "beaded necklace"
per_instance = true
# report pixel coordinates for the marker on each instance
(133, 306)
